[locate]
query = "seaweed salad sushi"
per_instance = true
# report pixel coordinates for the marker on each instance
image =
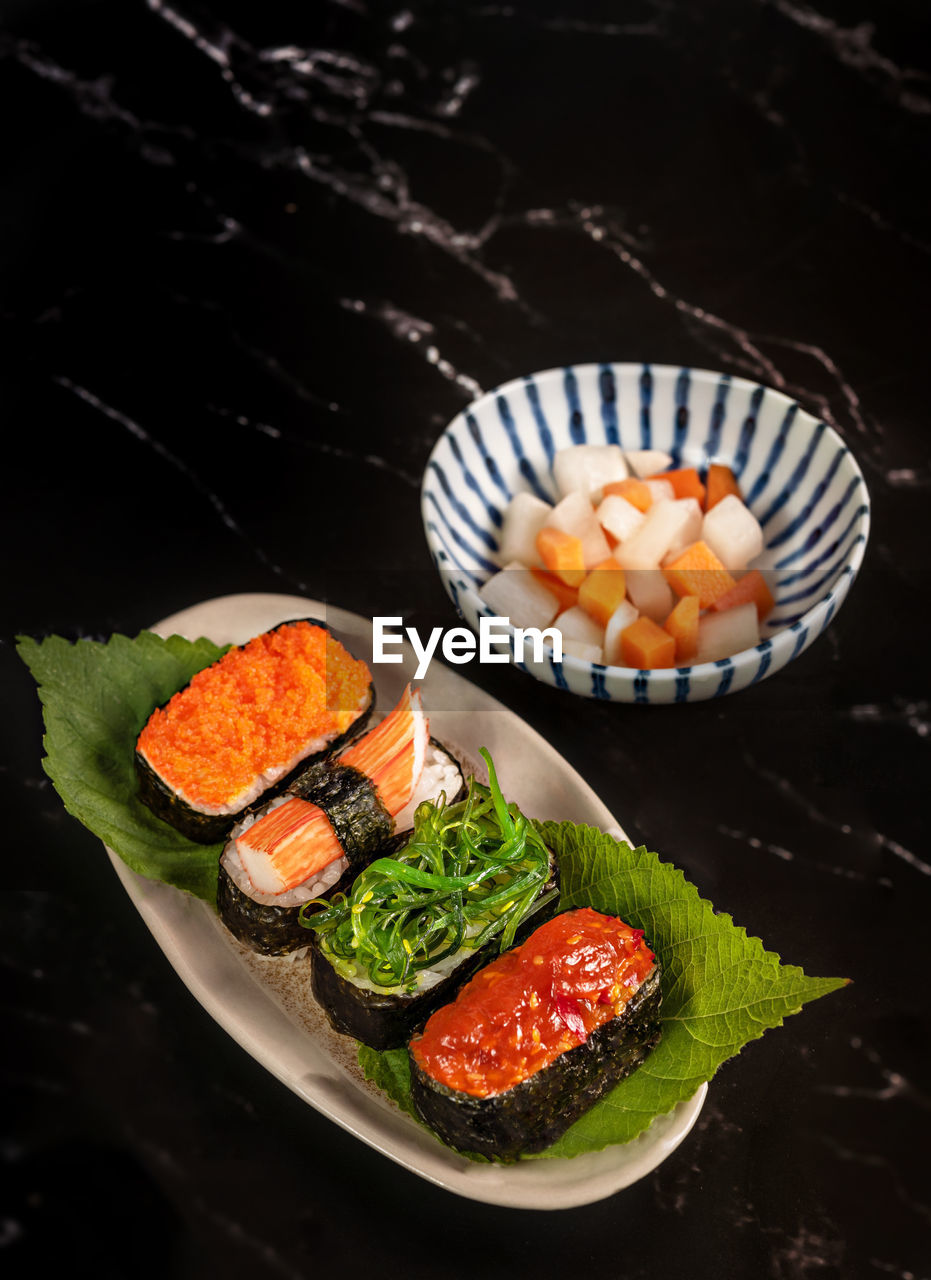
(241, 727)
(473, 877)
(538, 1036)
(332, 820)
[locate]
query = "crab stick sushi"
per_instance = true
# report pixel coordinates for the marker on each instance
(332, 820)
(244, 725)
(473, 878)
(538, 1036)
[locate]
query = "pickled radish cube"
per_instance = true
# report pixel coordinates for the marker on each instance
(720, 635)
(650, 593)
(561, 554)
(587, 652)
(645, 645)
(575, 624)
(687, 483)
(634, 490)
(751, 586)
(575, 515)
(719, 481)
(646, 462)
(697, 571)
(514, 593)
(566, 595)
(602, 591)
(682, 625)
(619, 517)
(585, 468)
(620, 619)
(523, 520)
(660, 490)
(732, 532)
(662, 525)
(690, 530)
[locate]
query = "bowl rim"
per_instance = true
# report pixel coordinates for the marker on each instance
(822, 611)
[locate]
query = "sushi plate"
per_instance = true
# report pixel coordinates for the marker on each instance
(266, 1005)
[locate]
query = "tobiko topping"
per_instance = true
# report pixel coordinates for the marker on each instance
(254, 711)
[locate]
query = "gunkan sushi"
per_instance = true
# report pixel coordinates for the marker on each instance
(243, 725)
(471, 878)
(538, 1036)
(335, 816)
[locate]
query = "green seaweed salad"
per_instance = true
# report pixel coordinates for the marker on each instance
(721, 988)
(470, 872)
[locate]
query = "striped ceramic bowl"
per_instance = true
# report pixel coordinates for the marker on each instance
(796, 474)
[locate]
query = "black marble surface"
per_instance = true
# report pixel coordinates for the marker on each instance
(254, 257)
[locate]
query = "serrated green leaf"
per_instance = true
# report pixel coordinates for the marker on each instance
(721, 988)
(390, 1071)
(95, 698)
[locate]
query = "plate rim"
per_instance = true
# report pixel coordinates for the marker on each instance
(168, 913)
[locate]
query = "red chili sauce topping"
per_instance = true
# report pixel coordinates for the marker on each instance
(572, 975)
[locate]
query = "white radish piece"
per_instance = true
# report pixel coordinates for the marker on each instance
(721, 635)
(620, 619)
(690, 530)
(523, 520)
(732, 532)
(575, 515)
(586, 468)
(514, 593)
(587, 652)
(646, 462)
(619, 517)
(660, 490)
(645, 548)
(576, 624)
(650, 593)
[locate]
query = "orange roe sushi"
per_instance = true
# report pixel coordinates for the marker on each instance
(241, 727)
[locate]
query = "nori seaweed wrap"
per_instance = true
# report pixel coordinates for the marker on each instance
(535, 1039)
(387, 1018)
(269, 923)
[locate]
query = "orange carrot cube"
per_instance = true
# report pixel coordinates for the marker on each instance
(566, 595)
(719, 482)
(603, 590)
(644, 644)
(751, 588)
(682, 625)
(697, 571)
(562, 554)
(635, 491)
(686, 483)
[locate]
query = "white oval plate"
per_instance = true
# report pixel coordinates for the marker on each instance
(265, 1004)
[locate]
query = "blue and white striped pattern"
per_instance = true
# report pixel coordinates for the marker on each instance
(797, 475)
